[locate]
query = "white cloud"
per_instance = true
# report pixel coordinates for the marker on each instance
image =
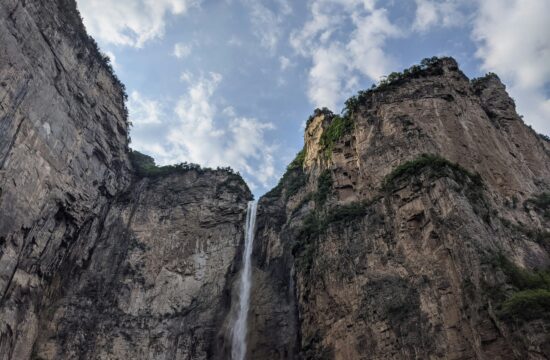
(431, 13)
(182, 50)
(112, 57)
(338, 56)
(144, 111)
(130, 22)
(284, 62)
(513, 41)
(235, 41)
(200, 133)
(267, 23)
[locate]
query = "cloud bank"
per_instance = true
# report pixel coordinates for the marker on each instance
(130, 22)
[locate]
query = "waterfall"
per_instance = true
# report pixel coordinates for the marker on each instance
(238, 341)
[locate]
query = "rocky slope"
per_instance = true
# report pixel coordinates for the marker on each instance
(96, 261)
(369, 249)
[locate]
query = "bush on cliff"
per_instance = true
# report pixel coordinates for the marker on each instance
(436, 163)
(531, 298)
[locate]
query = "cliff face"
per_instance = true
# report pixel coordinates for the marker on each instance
(369, 249)
(415, 225)
(154, 286)
(96, 262)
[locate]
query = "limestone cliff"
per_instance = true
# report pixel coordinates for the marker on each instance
(415, 225)
(97, 258)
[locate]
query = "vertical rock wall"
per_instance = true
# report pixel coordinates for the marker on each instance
(411, 262)
(96, 262)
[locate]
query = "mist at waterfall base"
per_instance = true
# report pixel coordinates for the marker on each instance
(239, 330)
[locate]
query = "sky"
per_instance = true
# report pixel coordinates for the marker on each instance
(232, 82)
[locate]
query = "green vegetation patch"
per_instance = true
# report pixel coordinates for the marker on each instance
(541, 203)
(343, 124)
(528, 305)
(298, 162)
(524, 279)
(436, 163)
(339, 126)
(144, 166)
(318, 112)
(531, 299)
(316, 223)
(324, 188)
(293, 179)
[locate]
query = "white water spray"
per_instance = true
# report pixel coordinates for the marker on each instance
(238, 341)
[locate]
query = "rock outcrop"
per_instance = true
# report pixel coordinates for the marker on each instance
(97, 262)
(368, 249)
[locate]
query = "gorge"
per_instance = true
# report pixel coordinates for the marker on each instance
(414, 225)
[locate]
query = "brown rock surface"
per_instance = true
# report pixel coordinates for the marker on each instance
(365, 251)
(406, 269)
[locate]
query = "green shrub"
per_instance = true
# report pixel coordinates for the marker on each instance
(528, 305)
(292, 180)
(315, 224)
(317, 112)
(324, 188)
(439, 166)
(305, 245)
(524, 279)
(540, 202)
(298, 162)
(347, 212)
(476, 82)
(531, 299)
(339, 126)
(144, 166)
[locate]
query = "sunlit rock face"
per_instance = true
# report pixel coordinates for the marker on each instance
(367, 249)
(366, 260)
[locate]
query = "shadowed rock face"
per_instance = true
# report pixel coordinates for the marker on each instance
(95, 262)
(406, 269)
(353, 259)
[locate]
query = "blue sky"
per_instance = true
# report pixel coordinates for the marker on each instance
(231, 82)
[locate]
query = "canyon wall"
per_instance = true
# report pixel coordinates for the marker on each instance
(96, 261)
(402, 228)
(415, 225)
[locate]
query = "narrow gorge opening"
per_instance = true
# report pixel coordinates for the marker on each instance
(239, 328)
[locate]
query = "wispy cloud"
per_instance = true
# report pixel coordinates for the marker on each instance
(430, 13)
(182, 50)
(512, 38)
(204, 133)
(144, 111)
(130, 22)
(336, 56)
(284, 62)
(267, 23)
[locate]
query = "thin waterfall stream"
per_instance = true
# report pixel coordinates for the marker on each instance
(238, 339)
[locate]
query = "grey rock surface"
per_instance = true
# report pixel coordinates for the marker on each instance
(96, 262)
